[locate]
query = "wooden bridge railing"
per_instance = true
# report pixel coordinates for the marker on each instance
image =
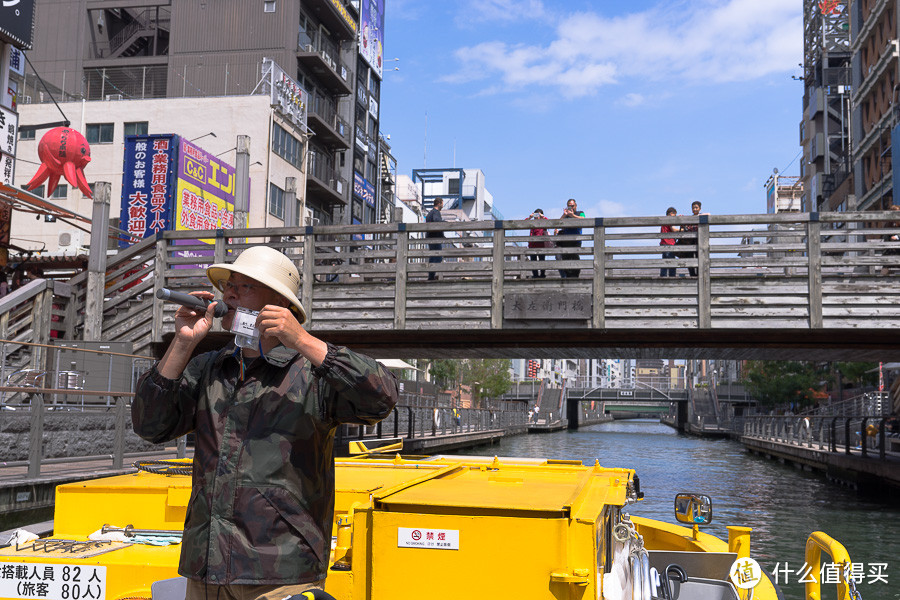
(798, 271)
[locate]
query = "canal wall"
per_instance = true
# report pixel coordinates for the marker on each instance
(864, 474)
(66, 434)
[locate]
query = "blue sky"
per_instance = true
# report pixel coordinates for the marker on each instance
(628, 106)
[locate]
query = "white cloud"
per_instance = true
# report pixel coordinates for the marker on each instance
(701, 41)
(633, 99)
(475, 11)
(607, 208)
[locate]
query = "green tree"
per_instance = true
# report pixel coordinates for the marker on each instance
(779, 383)
(445, 372)
(858, 373)
(487, 377)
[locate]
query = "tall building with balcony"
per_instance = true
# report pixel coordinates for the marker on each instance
(873, 42)
(110, 50)
(825, 167)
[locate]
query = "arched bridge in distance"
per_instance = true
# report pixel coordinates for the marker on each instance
(813, 286)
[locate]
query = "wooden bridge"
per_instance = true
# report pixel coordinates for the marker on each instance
(768, 286)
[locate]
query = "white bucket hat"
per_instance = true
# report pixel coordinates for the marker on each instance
(267, 266)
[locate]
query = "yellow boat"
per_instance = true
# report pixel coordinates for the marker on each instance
(421, 527)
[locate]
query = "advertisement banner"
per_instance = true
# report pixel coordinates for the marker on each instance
(9, 122)
(285, 94)
(363, 190)
(204, 197)
(148, 182)
(17, 61)
(371, 34)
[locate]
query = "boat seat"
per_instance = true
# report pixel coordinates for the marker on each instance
(697, 565)
(703, 589)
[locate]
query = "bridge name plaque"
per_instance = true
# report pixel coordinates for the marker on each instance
(551, 305)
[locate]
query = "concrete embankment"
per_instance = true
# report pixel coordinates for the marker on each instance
(869, 474)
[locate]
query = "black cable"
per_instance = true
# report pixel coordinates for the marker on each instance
(163, 467)
(47, 89)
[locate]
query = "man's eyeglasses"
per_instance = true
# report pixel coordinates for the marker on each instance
(240, 289)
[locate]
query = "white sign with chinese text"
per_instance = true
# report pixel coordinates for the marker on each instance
(431, 539)
(9, 122)
(52, 581)
(286, 95)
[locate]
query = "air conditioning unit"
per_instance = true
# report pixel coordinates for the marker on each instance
(26, 99)
(70, 241)
(115, 97)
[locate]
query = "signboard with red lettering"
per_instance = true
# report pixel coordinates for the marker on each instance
(204, 197)
(148, 182)
(171, 184)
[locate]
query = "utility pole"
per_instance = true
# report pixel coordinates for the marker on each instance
(242, 181)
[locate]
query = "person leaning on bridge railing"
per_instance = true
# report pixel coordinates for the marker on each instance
(571, 212)
(434, 216)
(691, 241)
(264, 417)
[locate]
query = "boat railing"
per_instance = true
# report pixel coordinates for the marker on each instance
(817, 543)
(861, 435)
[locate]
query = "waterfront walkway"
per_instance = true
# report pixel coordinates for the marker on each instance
(829, 445)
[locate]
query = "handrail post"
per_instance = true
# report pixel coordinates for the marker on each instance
(814, 255)
(402, 251)
(863, 438)
(36, 436)
(96, 276)
(598, 316)
(704, 290)
(119, 439)
(411, 424)
(309, 266)
(159, 281)
(847, 436)
(497, 258)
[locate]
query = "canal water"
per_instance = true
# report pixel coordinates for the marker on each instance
(782, 504)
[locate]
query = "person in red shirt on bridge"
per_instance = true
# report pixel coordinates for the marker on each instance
(668, 244)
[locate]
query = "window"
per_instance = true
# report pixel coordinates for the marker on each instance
(61, 191)
(136, 128)
(276, 201)
(26, 134)
(38, 191)
(269, 6)
(99, 133)
(286, 146)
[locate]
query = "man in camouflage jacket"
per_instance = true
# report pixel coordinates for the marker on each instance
(262, 503)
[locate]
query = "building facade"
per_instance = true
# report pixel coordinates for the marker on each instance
(875, 64)
(275, 157)
(825, 132)
(116, 50)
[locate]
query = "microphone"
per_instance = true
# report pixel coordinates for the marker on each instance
(198, 304)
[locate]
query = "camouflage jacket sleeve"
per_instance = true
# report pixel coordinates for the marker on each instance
(357, 389)
(164, 409)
